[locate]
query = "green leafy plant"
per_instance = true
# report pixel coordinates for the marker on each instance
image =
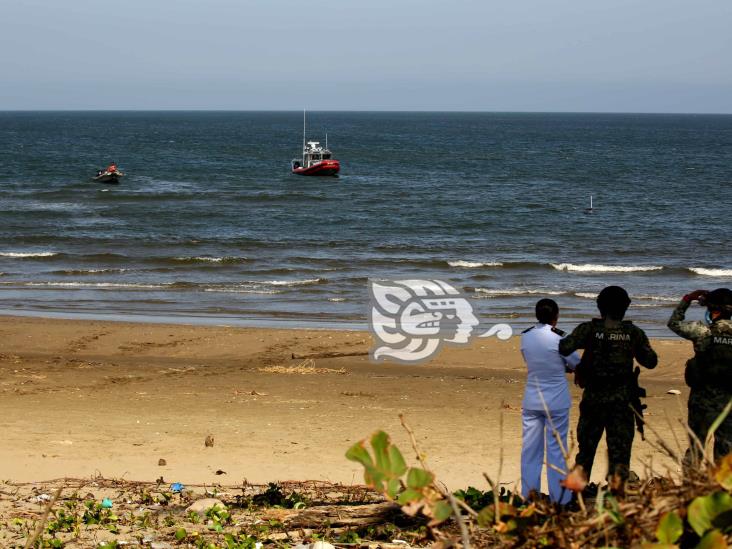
(63, 521)
(670, 528)
(385, 472)
(96, 514)
(711, 511)
(714, 539)
(145, 520)
(217, 517)
(474, 498)
(723, 474)
(274, 496)
(193, 517)
(239, 542)
(349, 536)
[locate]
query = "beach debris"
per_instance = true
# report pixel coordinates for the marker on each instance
(306, 367)
(42, 497)
(201, 506)
(107, 503)
(673, 392)
(220, 472)
(176, 487)
(162, 462)
(209, 442)
(322, 545)
(160, 545)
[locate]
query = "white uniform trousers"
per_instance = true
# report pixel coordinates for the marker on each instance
(537, 433)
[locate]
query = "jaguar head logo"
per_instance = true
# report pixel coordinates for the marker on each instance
(411, 319)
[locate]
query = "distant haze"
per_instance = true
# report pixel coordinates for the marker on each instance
(562, 55)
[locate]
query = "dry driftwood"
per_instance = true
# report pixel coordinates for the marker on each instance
(344, 515)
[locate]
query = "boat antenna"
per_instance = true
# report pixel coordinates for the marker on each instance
(326, 140)
(303, 137)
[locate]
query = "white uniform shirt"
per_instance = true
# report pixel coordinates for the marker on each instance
(547, 374)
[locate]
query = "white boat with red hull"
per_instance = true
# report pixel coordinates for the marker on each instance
(316, 159)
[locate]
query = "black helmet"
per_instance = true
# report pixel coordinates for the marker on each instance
(719, 299)
(613, 301)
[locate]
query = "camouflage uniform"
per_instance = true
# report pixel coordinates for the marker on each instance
(609, 389)
(709, 376)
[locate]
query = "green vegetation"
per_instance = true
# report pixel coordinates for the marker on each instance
(659, 514)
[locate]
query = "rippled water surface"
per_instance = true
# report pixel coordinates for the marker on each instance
(210, 226)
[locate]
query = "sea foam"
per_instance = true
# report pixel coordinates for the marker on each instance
(515, 291)
(293, 282)
(21, 255)
(101, 285)
(711, 272)
(210, 259)
(592, 268)
(474, 264)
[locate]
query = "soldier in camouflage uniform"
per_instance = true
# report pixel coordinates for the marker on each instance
(609, 383)
(709, 373)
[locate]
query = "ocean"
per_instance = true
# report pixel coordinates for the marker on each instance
(209, 226)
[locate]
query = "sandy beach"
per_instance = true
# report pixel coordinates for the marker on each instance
(83, 398)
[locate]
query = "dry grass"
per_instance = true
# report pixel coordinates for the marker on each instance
(306, 367)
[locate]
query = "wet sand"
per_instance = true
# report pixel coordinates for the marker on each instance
(80, 398)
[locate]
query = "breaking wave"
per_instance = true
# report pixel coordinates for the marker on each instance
(474, 264)
(514, 292)
(307, 282)
(24, 255)
(210, 259)
(229, 290)
(592, 268)
(711, 272)
(88, 271)
(101, 285)
(635, 298)
(663, 298)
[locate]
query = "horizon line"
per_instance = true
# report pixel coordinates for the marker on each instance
(416, 111)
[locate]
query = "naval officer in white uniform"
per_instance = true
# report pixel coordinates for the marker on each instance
(546, 403)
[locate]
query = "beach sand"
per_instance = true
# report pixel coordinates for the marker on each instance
(82, 398)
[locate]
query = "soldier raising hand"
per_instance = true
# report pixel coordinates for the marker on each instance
(709, 372)
(610, 387)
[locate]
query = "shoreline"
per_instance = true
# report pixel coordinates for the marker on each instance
(81, 397)
(181, 320)
(258, 323)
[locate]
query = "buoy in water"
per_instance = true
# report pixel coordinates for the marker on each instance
(590, 209)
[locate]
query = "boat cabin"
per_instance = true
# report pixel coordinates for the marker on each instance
(312, 154)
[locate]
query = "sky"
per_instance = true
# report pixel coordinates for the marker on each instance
(451, 55)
